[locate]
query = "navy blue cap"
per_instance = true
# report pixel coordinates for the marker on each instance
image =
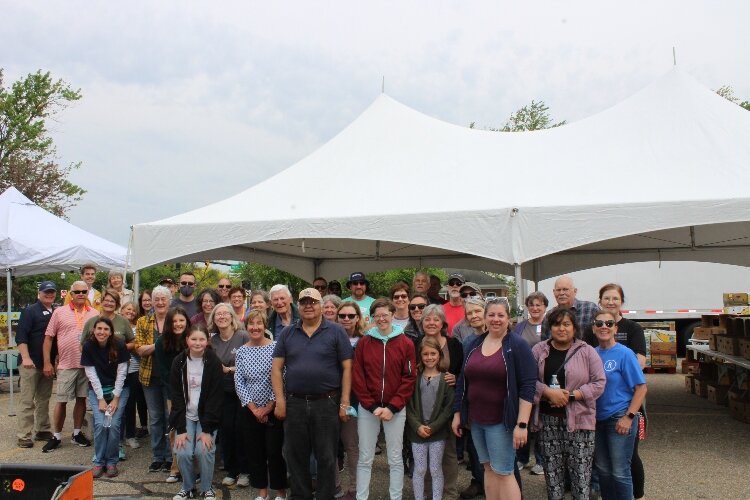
(45, 286)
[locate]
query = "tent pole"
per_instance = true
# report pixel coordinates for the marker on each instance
(535, 267)
(11, 340)
(136, 286)
(519, 286)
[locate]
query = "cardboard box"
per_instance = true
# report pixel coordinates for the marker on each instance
(707, 370)
(700, 387)
(689, 383)
(658, 325)
(739, 409)
(717, 394)
(736, 299)
(657, 336)
(664, 361)
(718, 330)
(713, 342)
(663, 348)
(745, 348)
(702, 333)
(728, 345)
(690, 367)
(724, 375)
(737, 310)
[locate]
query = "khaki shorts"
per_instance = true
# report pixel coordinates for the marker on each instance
(71, 383)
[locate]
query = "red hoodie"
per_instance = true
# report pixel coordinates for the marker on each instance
(384, 371)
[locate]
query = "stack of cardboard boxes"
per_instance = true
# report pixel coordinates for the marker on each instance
(662, 348)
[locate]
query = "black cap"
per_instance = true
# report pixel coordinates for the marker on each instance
(46, 286)
(356, 277)
(457, 276)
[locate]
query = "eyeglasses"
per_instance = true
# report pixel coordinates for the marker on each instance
(401, 296)
(79, 292)
(382, 316)
(223, 315)
(187, 283)
(413, 307)
(347, 316)
(600, 323)
(469, 294)
(221, 286)
(307, 301)
(209, 301)
(360, 283)
(320, 287)
(455, 283)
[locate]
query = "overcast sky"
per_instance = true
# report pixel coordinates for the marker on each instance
(185, 103)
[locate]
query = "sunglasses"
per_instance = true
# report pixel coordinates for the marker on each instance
(79, 292)
(187, 283)
(307, 301)
(347, 316)
(221, 286)
(455, 283)
(400, 296)
(360, 283)
(600, 323)
(320, 287)
(469, 294)
(414, 307)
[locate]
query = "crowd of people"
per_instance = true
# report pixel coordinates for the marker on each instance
(288, 396)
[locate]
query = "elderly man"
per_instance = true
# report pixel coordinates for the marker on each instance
(223, 288)
(421, 283)
(565, 295)
(66, 325)
(359, 286)
(93, 296)
(36, 389)
(454, 308)
(284, 312)
(314, 396)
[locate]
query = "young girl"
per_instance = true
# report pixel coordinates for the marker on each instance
(196, 387)
(428, 416)
(105, 360)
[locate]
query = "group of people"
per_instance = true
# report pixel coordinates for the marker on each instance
(286, 393)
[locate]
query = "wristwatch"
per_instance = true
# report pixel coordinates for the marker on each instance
(631, 415)
(521, 425)
(572, 397)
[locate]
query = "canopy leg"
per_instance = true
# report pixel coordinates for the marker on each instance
(519, 288)
(11, 340)
(137, 286)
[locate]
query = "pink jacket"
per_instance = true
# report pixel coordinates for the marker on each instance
(584, 372)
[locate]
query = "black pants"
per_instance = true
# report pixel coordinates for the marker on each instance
(264, 443)
(637, 473)
(232, 451)
(311, 427)
(136, 401)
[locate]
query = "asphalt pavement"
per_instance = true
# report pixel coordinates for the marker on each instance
(694, 449)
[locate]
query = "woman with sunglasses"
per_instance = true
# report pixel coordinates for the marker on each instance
(413, 328)
(400, 298)
(616, 410)
(349, 316)
(570, 379)
(206, 300)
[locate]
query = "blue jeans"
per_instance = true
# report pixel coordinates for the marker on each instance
(107, 439)
(612, 455)
(156, 401)
(194, 449)
(368, 428)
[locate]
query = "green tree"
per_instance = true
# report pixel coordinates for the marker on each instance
(534, 116)
(28, 157)
(727, 93)
(263, 277)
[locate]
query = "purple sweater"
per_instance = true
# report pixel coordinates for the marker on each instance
(584, 372)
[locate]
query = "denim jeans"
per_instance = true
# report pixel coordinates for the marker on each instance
(194, 450)
(368, 428)
(311, 427)
(156, 401)
(107, 439)
(612, 456)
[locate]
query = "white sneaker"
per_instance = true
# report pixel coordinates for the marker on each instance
(228, 481)
(537, 470)
(262, 498)
(243, 480)
(280, 498)
(133, 443)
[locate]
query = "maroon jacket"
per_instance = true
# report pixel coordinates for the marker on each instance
(384, 371)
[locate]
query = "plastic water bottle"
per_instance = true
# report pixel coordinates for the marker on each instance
(554, 384)
(107, 418)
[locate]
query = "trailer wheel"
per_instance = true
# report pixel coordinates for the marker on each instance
(686, 334)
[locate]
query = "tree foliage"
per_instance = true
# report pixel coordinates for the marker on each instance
(534, 116)
(263, 277)
(727, 93)
(28, 157)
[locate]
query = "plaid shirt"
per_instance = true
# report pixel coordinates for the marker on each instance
(145, 334)
(584, 311)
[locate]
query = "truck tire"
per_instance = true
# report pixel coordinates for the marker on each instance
(685, 334)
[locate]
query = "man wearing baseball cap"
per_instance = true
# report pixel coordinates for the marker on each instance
(313, 397)
(454, 308)
(36, 389)
(358, 285)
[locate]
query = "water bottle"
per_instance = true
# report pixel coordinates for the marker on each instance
(554, 384)
(107, 418)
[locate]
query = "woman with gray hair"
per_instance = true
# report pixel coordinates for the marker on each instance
(228, 335)
(331, 304)
(435, 325)
(117, 282)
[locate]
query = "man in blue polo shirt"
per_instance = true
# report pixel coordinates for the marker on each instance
(314, 395)
(36, 389)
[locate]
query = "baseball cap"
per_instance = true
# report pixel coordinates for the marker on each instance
(472, 285)
(457, 276)
(46, 286)
(311, 293)
(356, 277)
(166, 280)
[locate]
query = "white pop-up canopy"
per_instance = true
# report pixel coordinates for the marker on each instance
(662, 175)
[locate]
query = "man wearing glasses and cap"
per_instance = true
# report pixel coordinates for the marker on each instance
(36, 389)
(454, 308)
(358, 285)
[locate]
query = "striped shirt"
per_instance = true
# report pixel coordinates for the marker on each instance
(66, 325)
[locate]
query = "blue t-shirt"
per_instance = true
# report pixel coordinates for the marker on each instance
(623, 374)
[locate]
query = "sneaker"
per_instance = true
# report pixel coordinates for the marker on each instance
(472, 491)
(133, 443)
(25, 443)
(81, 440)
(520, 465)
(112, 471)
(261, 498)
(537, 470)
(98, 471)
(43, 436)
(155, 466)
(141, 433)
(183, 494)
(341, 464)
(166, 467)
(228, 481)
(243, 480)
(52, 444)
(209, 494)
(174, 478)
(122, 453)
(339, 492)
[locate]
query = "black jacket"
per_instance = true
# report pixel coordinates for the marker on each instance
(456, 350)
(211, 398)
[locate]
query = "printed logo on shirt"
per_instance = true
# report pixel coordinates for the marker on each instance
(193, 384)
(610, 365)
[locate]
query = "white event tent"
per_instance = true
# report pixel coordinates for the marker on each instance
(662, 175)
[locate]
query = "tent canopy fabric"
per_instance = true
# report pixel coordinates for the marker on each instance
(33, 241)
(662, 175)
